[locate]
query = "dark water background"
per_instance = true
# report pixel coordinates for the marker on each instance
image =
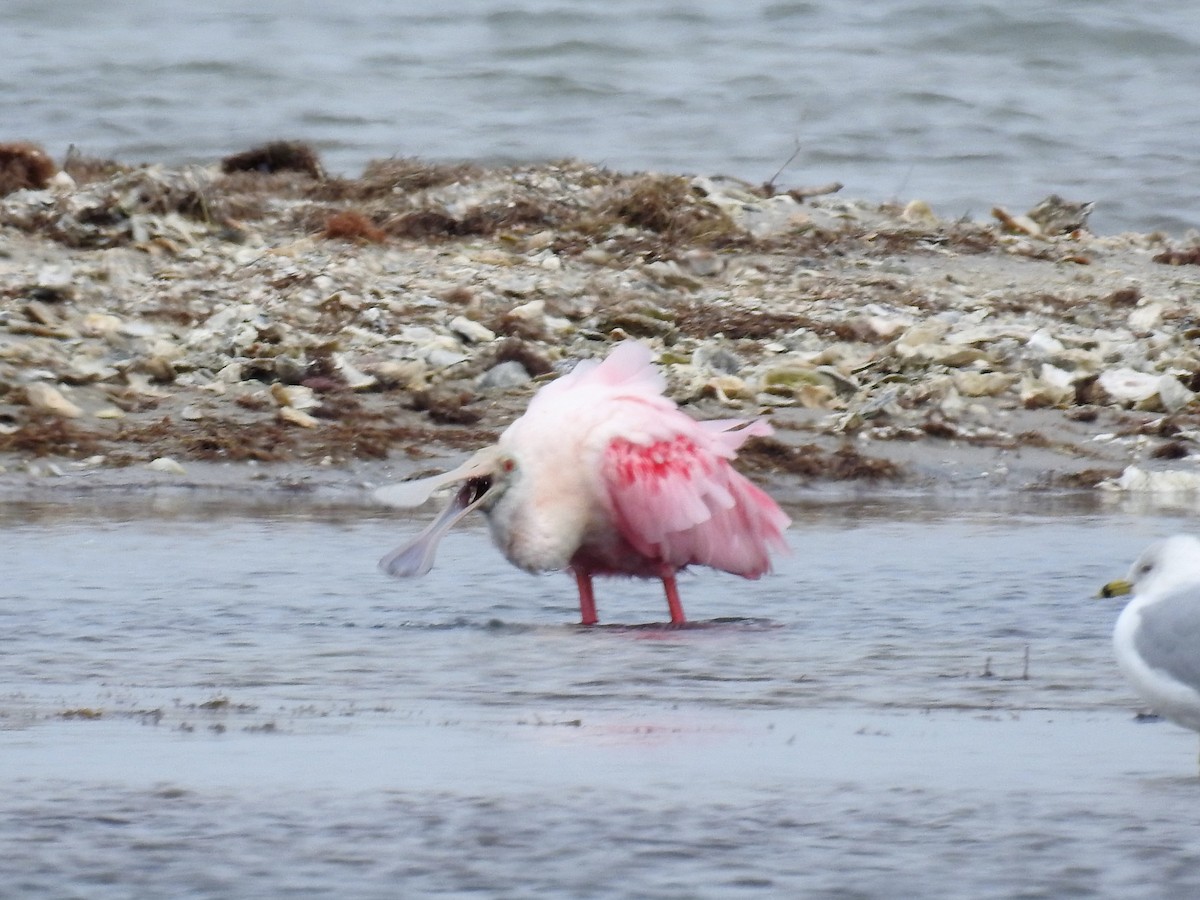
(965, 105)
(922, 701)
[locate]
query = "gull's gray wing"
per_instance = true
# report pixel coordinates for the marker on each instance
(1168, 636)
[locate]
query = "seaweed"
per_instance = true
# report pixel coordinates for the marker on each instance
(766, 454)
(44, 435)
(349, 225)
(24, 166)
(1188, 256)
(88, 169)
(276, 156)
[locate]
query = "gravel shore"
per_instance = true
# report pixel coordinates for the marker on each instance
(258, 323)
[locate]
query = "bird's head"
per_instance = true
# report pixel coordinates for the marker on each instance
(484, 479)
(1161, 567)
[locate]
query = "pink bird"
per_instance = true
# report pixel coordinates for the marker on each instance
(604, 475)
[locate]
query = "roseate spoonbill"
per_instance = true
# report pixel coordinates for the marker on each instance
(1157, 636)
(604, 475)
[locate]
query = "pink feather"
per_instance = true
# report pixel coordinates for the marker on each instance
(679, 501)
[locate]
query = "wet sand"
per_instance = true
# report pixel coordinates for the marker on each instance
(820, 803)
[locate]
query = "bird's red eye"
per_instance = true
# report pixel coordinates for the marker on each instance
(508, 465)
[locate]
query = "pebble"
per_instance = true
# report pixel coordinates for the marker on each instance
(983, 384)
(296, 396)
(355, 378)
(408, 374)
(704, 263)
(717, 359)
(508, 374)
(49, 399)
(1052, 386)
(1145, 318)
(166, 465)
(295, 416)
(440, 358)
(96, 324)
(472, 332)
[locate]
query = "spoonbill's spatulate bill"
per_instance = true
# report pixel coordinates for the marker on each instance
(604, 475)
(1157, 636)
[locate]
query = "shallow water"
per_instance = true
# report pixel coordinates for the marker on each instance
(965, 105)
(921, 701)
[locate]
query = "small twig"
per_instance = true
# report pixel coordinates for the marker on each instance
(768, 186)
(802, 194)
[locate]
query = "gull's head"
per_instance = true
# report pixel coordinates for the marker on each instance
(1163, 566)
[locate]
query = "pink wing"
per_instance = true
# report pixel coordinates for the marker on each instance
(677, 499)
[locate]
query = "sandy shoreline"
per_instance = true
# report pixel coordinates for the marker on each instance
(278, 330)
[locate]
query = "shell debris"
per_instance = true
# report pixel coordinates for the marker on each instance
(220, 292)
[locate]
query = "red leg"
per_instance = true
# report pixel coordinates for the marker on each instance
(587, 600)
(673, 603)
